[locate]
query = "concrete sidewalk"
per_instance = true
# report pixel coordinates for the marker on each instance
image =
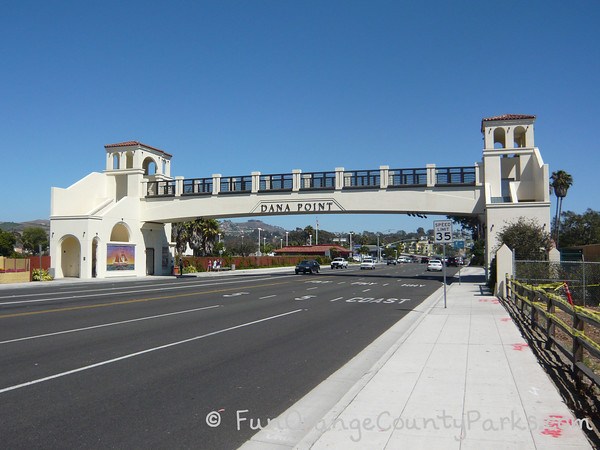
(461, 377)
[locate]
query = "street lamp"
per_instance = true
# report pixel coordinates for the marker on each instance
(281, 242)
(259, 230)
(264, 244)
(286, 238)
(219, 238)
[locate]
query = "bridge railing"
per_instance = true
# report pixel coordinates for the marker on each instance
(362, 179)
(407, 177)
(317, 180)
(276, 182)
(455, 175)
(161, 189)
(197, 186)
(298, 181)
(238, 185)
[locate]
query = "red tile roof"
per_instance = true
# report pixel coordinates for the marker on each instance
(310, 249)
(508, 117)
(136, 143)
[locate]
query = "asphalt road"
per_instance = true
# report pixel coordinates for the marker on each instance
(187, 362)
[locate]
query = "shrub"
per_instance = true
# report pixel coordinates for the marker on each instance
(40, 275)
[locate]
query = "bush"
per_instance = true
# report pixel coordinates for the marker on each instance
(40, 275)
(189, 269)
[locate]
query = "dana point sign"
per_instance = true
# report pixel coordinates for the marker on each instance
(297, 207)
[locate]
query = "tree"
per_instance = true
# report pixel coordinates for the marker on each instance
(201, 235)
(561, 181)
(179, 234)
(7, 243)
(526, 238)
(32, 238)
(580, 229)
(469, 223)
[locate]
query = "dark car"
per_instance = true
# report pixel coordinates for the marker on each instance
(454, 261)
(308, 266)
(391, 261)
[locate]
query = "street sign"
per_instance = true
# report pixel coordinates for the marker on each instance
(459, 245)
(442, 231)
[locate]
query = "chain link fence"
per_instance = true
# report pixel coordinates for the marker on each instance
(582, 278)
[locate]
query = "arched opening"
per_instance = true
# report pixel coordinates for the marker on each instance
(70, 257)
(499, 138)
(519, 137)
(129, 160)
(149, 166)
(119, 233)
(95, 257)
(116, 158)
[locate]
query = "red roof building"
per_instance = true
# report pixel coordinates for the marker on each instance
(314, 250)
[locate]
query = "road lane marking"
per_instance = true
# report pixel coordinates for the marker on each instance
(74, 330)
(127, 302)
(97, 293)
(149, 350)
(305, 297)
(236, 294)
(268, 296)
(310, 289)
(336, 299)
(366, 290)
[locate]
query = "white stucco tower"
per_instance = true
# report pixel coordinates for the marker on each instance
(515, 177)
(95, 227)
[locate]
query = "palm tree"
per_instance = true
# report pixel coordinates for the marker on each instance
(561, 181)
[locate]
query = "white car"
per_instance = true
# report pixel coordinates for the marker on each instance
(404, 259)
(434, 265)
(367, 263)
(339, 263)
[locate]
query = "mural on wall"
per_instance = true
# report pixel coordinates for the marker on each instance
(120, 257)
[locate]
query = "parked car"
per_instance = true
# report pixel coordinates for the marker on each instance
(339, 263)
(404, 259)
(391, 261)
(367, 263)
(308, 266)
(434, 265)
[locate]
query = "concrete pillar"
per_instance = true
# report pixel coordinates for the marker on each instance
(178, 186)
(216, 183)
(384, 173)
(339, 178)
(296, 179)
(431, 175)
(256, 182)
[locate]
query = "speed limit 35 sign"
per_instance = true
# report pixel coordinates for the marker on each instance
(442, 231)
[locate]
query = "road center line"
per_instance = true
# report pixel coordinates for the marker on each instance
(127, 302)
(132, 355)
(74, 330)
(124, 290)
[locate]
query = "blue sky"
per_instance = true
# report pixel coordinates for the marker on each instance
(233, 87)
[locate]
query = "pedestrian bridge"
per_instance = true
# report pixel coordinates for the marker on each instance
(118, 222)
(428, 190)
